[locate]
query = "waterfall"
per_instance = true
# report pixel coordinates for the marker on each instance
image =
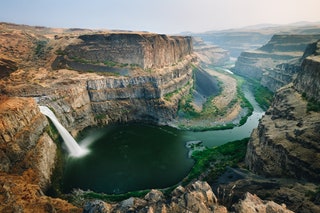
(73, 147)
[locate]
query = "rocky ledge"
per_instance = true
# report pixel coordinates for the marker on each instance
(210, 54)
(275, 63)
(286, 142)
(27, 159)
(195, 197)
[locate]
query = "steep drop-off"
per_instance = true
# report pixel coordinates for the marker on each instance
(162, 66)
(27, 159)
(142, 87)
(283, 152)
(286, 142)
(145, 50)
(210, 54)
(275, 63)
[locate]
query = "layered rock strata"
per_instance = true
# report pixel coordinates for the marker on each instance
(275, 63)
(248, 38)
(286, 142)
(161, 66)
(305, 82)
(145, 50)
(28, 157)
(141, 97)
(210, 54)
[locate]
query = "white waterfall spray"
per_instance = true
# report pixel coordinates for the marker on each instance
(73, 147)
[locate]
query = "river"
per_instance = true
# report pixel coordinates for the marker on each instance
(132, 157)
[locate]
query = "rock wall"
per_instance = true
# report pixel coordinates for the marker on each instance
(23, 139)
(71, 105)
(239, 40)
(143, 49)
(81, 99)
(210, 54)
(27, 159)
(275, 63)
(141, 97)
(305, 82)
(286, 142)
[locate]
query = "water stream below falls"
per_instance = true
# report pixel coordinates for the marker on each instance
(132, 157)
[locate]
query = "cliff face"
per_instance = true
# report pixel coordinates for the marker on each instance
(22, 126)
(141, 97)
(28, 156)
(130, 74)
(143, 49)
(275, 63)
(210, 54)
(157, 72)
(236, 41)
(305, 81)
(286, 142)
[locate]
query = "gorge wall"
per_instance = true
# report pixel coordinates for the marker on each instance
(158, 70)
(286, 142)
(210, 54)
(236, 41)
(27, 158)
(275, 63)
(145, 50)
(89, 89)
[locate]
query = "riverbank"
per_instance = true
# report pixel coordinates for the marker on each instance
(226, 110)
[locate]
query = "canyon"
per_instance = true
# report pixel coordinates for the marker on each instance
(275, 63)
(93, 78)
(236, 41)
(37, 72)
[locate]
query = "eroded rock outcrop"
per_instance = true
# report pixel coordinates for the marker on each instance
(161, 67)
(28, 157)
(286, 142)
(275, 63)
(252, 204)
(22, 125)
(248, 38)
(151, 67)
(305, 81)
(145, 50)
(195, 197)
(210, 54)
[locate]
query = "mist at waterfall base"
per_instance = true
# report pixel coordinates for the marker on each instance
(73, 147)
(133, 157)
(127, 158)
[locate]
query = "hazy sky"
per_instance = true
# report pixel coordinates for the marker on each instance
(162, 16)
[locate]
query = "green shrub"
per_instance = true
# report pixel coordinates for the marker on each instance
(215, 160)
(313, 105)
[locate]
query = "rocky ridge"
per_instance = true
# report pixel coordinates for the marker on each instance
(275, 63)
(26, 137)
(28, 158)
(236, 41)
(292, 150)
(79, 99)
(145, 50)
(210, 54)
(195, 197)
(286, 142)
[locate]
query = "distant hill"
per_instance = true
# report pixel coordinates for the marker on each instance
(253, 37)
